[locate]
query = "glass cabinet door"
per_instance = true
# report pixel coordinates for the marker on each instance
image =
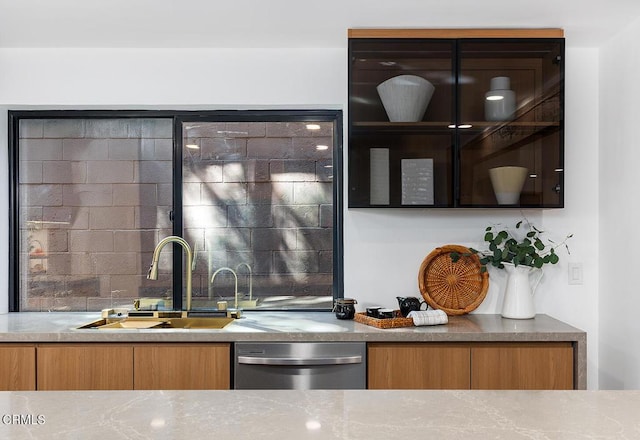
(510, 122)
(401, 110)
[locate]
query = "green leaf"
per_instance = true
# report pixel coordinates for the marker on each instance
(483, 269)
(538, 262)
(518, 224)
(488, 228)
(553, 258)
(455, 256)
(488, 236)
(539, 244)
(531, 234)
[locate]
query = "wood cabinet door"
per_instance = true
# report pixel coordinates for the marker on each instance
(418, 366)
(17, 368)
(85, 367)
(522, 366)
(182, 367)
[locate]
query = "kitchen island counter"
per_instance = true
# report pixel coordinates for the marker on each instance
(300, 415)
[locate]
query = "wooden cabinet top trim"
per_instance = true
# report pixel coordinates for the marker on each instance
(457, 33)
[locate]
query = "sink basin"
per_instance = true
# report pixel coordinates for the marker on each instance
(199, 322)
(158, 323)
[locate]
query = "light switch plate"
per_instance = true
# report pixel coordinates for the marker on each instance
(575, 273)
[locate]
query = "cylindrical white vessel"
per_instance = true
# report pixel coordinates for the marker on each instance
(500, 101)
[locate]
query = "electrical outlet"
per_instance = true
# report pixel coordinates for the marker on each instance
(575, 273)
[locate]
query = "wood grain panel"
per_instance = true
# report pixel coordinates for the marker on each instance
(85, 367)
(456, 33)
(17, 368)
(522, 366)
(418, 366)
(180, 366)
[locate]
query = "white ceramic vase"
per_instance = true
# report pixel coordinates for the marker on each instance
(507, 183)
(405, 97)
(500, 101)
(518, 295)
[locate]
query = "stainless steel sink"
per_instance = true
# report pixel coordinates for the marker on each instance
(137, 323)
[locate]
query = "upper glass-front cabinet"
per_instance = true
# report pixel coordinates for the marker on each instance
(457, 121)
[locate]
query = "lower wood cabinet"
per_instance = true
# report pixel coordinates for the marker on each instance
(182, 367)
(502, 366)
(531, 366)
(85, 367)
(17, 367)
(133, 366)
(417, 366)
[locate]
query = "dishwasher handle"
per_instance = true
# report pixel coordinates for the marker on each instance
(334, 360)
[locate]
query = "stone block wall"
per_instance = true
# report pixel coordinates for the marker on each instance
(260, 193)
(95, 197)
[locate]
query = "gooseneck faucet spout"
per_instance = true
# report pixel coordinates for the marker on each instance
(153, 269)
(250, 278)
(235, 277)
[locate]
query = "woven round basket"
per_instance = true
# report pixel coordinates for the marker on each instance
(456, 288)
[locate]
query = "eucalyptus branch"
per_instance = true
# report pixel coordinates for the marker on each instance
(503, 247)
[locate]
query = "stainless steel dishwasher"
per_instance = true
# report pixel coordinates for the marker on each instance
(300, 365)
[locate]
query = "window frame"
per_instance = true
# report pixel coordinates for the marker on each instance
(178, 118)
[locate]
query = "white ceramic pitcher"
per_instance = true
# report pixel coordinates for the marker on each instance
(518, 296)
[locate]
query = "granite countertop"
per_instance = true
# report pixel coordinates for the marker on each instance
(288, 326)
(299, 415)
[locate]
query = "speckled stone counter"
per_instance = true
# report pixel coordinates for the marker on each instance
(288, 326)
(300, 415)
(301, 326)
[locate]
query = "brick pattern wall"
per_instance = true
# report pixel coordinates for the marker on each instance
(95, 197)
(261, 194)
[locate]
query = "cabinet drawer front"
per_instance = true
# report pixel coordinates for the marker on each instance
(522, 366)
(418, 366)
(17, 368)
(175, 367)
(85, 367)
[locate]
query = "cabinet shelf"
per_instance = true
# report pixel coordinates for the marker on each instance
(461, 71)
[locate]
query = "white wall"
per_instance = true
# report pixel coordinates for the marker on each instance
(619, 210)
(383, 248)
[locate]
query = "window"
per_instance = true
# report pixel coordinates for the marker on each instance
(255, 193)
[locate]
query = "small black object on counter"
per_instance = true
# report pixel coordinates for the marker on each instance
(345, 308)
